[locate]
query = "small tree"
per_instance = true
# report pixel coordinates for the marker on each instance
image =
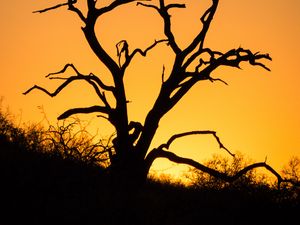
(132, 157)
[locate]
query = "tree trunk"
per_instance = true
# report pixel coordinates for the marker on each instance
(128, 174)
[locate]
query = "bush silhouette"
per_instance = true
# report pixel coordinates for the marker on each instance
(39, 186)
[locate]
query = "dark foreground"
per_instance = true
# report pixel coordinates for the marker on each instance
(42, 189)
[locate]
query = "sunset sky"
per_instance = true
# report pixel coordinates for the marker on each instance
(256, 114)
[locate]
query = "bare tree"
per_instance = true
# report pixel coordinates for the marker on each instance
(132, 157)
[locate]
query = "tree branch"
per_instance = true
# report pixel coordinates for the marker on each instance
(129, 57)
(70, 3)
(159, 153)
(52, 7)
(210, 52)
(76, 10)
(217, 79)
(163, 12)
(176, 136)
(234, 57)
(206, 19)
(144, 53)
(168, 32)
(116, 4)
(175, 6)
(91, 76)
(148, 5)
(57, 91)
(92, 109)
(93, 80)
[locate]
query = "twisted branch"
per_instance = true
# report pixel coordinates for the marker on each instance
(92, 109)
(52, 7)
(129, 57)
(70, 3)
(57, 91)
(159, 153)
(91, 76)
(163, 11)
(206, 20)
(144, 53)
(176, 136)
(111, 6)
(93, 80)
(232, 58)
(241, 55)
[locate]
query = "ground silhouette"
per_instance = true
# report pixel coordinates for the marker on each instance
(40, 187)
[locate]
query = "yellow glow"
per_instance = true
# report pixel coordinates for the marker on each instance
(257, 114)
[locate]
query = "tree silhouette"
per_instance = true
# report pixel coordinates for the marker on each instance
(131, 158)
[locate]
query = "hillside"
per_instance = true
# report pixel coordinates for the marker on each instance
(41, 187)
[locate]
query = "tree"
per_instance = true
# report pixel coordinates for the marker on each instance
(131, 156)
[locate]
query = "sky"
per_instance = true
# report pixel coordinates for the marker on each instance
(257, 114)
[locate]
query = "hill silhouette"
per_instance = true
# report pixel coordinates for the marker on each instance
(44, 187)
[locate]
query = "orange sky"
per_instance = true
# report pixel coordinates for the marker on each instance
(257, 114)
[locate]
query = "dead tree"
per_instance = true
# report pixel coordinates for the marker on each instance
(132, 157)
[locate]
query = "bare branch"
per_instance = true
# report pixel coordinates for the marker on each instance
(70, 3)
(234, 57)
(104, 117)
(93, 80)
(148, 5)
(218, 79)
(163, 12)
(160, 153)
(176, 136)
(211, 53)
(67, 82)
(166, 7)
(100, 82)
(76, 10)
(63, 85)
(144, 53)
(41, 89)
(57, 91)
(51, 8)
(64, 70)
(128, 57)
(115, 4)
(206, 19)
(92, 109)
(167, 28)
(91, 76)
(174, 6)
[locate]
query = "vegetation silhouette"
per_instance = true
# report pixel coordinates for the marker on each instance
(55, 176)
(130, 157)
(41, 184)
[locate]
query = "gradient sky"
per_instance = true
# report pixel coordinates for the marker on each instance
(256, 114)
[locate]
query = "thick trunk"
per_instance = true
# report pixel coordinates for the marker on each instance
(128, 175)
